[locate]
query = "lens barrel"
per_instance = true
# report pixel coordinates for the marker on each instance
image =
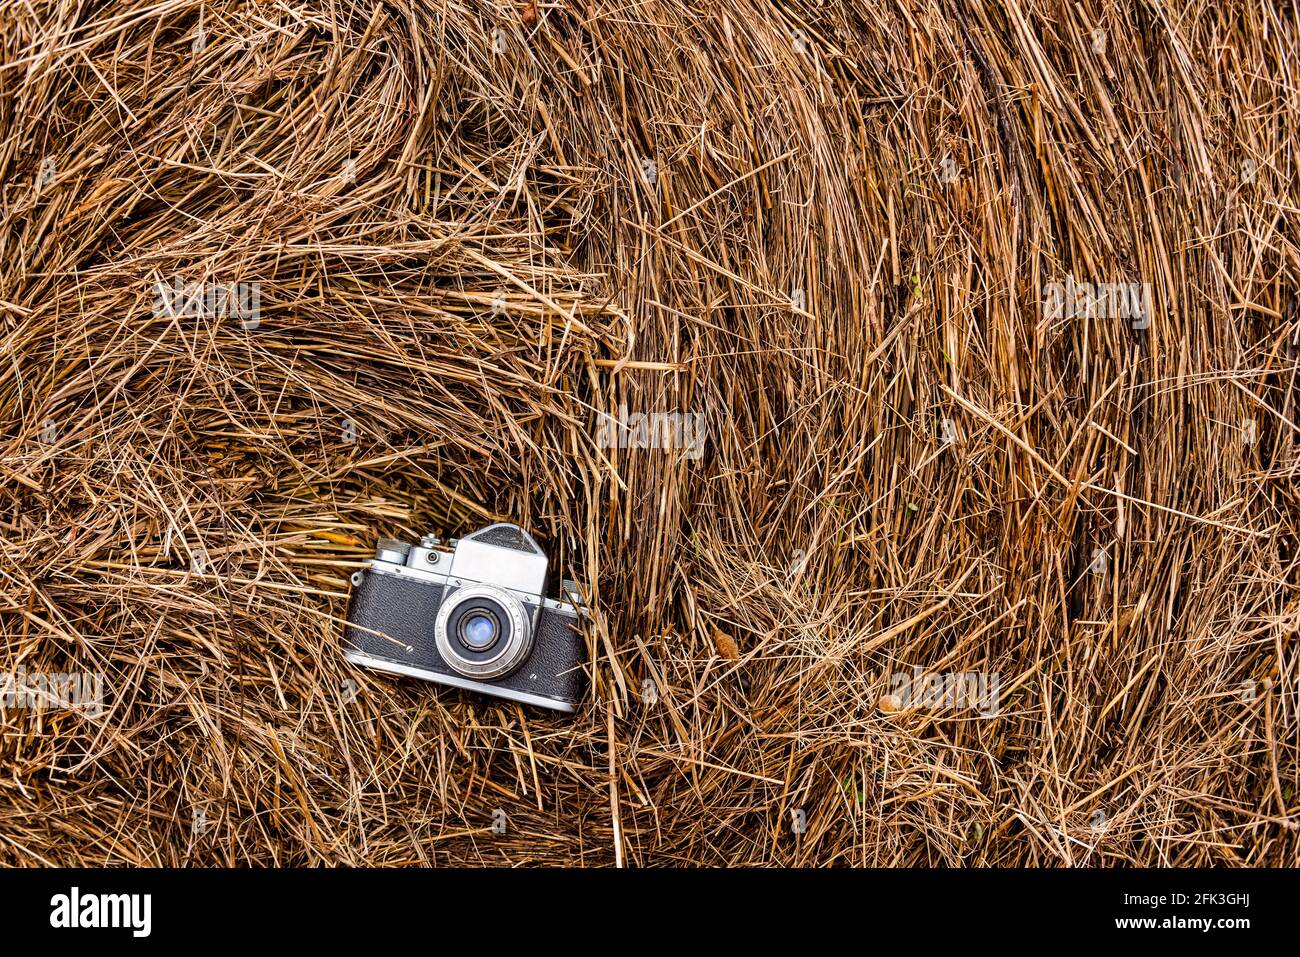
(483, 631)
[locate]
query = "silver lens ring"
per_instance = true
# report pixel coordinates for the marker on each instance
(517, 643)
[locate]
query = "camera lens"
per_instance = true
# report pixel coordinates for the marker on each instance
(479, 630)
(482, 631)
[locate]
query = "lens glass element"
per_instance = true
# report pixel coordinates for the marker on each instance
(479, 630)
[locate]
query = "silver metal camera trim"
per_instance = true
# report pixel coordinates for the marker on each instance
(454, 681)
(382, 567)
(520, 571)
(513, 651)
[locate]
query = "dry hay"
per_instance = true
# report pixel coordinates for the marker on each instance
(827, 228)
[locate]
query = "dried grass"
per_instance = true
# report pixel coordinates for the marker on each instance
(920, 171)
